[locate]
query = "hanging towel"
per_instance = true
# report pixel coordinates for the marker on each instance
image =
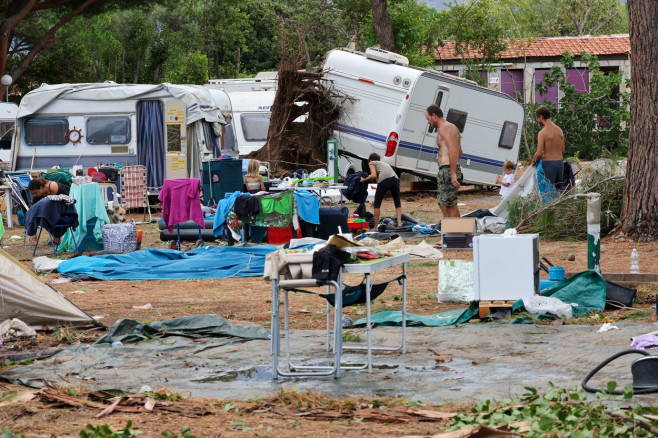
(181, 202)
(308, 206)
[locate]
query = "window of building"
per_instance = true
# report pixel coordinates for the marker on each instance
(255, 126)
(457, 118)
(508, 135)
(46, 131)
(108, 130)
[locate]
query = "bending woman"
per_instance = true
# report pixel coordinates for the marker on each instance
(40, 188)
(387, 181)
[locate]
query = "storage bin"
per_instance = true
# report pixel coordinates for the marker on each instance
(619, 294)
(279, 235)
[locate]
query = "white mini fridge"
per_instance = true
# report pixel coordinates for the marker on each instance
(506, 267)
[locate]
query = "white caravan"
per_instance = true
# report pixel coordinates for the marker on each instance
(168, 128)
(8, 113)
(387, 115)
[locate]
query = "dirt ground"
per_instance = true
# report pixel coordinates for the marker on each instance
(247, 300)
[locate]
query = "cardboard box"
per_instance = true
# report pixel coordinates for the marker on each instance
(457, 233)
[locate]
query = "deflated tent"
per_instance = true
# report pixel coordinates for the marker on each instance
(25, 296)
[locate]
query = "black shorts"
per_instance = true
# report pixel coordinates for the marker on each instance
(392, 185)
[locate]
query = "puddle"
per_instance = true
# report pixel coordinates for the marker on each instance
(248, 374)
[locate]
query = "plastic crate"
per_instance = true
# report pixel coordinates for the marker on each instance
(619, 294)
(279, 235)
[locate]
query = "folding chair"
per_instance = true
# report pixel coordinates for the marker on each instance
(295, 370)
(181, 202)
(66, 223)
(134, 191)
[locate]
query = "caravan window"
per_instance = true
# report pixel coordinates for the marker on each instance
(457, 118)
(108, 130)
(255, 126)
(6, 131)
(46, 131)
(437, 101)
(508, 135)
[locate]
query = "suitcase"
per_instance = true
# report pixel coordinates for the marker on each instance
(330, 219)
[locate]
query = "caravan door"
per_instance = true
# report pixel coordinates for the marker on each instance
(428, 150)
(175, 157)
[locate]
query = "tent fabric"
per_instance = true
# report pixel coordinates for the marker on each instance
(195, 327)
(90, 206)
(199, 103)
(585, 291)
(23, 295)
(164, 264)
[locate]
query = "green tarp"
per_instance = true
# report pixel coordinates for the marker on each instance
(585, 291)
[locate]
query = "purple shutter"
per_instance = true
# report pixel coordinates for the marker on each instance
(511, 82)
(579, 77)
(552, 93)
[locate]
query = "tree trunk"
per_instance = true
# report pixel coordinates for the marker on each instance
(381, 21)
(640, 211)
(15, 14)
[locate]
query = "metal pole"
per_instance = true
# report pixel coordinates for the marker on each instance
(594, 231)
(6, 93)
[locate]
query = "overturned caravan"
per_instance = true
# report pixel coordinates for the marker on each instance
(168, 128)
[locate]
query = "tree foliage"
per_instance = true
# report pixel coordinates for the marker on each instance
(596, 123)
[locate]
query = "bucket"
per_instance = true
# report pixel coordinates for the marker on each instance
(556, 273)
(140, 233)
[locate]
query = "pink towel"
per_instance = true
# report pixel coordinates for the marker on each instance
(181, 202)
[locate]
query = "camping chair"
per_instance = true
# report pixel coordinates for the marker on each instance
(181, 202)
(273, 264)
(134, 191)
(66, 223)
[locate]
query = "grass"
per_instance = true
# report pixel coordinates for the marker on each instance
(351, 337)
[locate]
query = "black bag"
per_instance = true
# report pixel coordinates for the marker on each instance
(111, 173)
(330, 219)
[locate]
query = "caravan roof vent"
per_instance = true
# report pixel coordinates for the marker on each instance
(386, 56)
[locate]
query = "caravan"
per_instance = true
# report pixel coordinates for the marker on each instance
(387, 115)
(247, 115)
(168, 128)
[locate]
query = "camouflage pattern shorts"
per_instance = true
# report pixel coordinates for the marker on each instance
(447, 193)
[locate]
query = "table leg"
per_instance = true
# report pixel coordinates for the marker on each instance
(404, 308)
(368, 325)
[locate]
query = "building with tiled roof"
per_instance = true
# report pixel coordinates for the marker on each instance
(525, 62)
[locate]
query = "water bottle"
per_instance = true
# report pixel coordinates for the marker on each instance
(635, 262)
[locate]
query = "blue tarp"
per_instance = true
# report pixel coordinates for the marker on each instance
(166, 264)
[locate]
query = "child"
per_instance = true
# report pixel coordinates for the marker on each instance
(507, 181)
(253, 180)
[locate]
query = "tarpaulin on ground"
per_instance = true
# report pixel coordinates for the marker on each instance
(166, 264)
(585, 291)
(163, 359)
(197, 326)
(452, 317)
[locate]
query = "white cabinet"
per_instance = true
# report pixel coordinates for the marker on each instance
(506, 267)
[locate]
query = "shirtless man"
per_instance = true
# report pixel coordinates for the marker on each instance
(450, 151)
(550, 146)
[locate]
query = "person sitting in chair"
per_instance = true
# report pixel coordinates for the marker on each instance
(40, 188)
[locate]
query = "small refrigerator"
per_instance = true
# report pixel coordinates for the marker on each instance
(506, 267)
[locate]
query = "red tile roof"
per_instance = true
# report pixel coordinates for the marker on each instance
(548, 47)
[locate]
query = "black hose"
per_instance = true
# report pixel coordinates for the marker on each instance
(607, 361)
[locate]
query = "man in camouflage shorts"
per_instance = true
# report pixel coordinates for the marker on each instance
(447, 192)
(450, 151)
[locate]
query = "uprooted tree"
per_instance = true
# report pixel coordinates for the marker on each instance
(304, 113)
